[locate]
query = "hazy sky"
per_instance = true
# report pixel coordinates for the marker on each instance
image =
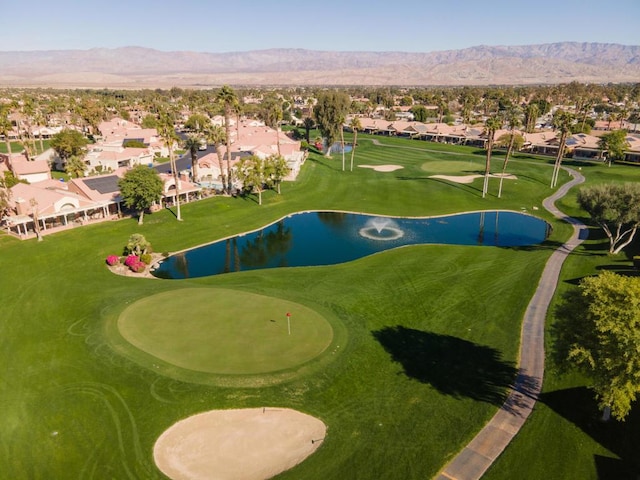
(342, 25)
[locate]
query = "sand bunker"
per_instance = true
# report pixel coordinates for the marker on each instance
(383, 168)
(247, 444)
(471, 178)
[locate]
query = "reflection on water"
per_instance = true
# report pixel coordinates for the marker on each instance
(326, 238)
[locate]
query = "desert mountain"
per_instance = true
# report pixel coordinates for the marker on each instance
(138, 67)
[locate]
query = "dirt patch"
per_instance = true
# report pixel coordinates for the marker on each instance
(247, 444)
(383, 168)
(471, 178)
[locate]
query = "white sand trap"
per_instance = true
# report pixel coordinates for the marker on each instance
(247, 444)
(383, 168)
(471, 178)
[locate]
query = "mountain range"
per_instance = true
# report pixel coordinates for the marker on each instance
(138, 67)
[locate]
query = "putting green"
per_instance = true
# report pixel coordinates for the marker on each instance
(225, 332)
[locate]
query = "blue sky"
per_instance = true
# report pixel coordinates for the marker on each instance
(337, 25)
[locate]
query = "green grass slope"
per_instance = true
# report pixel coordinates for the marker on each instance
(429, 345)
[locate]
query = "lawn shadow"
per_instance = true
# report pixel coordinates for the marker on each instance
(466, 187)
(578, 406)
(451, 365)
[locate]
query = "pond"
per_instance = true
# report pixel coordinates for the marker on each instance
(328, 238)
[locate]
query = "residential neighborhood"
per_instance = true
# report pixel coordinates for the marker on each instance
(59, 204)
(42, 204)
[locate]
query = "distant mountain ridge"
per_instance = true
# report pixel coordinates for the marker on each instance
(139, 66)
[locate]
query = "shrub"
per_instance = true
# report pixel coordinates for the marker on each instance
(138, 267)
(137, 245)
(131, 260)
(112, 260)
(145, 258)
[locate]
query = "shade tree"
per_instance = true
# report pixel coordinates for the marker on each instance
(616, 209)
(329, 113)
(615, 144)
(597, 331)
(140, 187)
(69, 143)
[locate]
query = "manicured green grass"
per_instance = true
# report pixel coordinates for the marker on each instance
(225, 331)
(425, 337)
(16, 147)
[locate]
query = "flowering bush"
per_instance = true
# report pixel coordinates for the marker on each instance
(135, 264)
(138, 267)
(112, 260)
(131, 260)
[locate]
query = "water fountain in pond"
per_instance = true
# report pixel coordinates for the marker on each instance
(381, 229)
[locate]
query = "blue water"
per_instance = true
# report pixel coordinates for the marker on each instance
(337, 148)
(327, 238)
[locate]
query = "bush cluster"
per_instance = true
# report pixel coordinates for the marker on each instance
(136, 263)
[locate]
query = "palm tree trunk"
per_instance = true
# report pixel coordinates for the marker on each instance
(228, 132)
(342, 143)
(176, 180)
(487, 168)
(558, 163)
(353, 148)
(194, 166)
(506, 160)
(221, 166)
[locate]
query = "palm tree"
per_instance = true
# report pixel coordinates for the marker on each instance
(355, 126)
(492, 124)
(513, 120)
(531, 115)
(170, 138)
(272, 114)
(308, 124)
(342, 120)
(5, 126)
(218, 137)
(192, 145)
(562, 122)
(229, 100)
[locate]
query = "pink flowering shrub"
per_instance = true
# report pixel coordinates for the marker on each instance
(135, 264)
(138, 267)
(131, 260)
(112, 260)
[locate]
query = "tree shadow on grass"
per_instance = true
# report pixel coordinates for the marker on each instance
(578, 406)
(451, 365)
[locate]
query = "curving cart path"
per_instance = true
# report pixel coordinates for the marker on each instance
(474, 460)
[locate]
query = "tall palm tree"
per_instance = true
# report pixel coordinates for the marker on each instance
(308, 124)
(192, 145)
(562, 122)
(355, 125)
(342, 120)
(272, 114)
(513, 121)
(531, 115)
(229, 100)
(5, 126)
(492, 124)
(168, 134)
(217, 136)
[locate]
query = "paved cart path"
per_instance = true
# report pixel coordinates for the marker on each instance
(474, 460)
